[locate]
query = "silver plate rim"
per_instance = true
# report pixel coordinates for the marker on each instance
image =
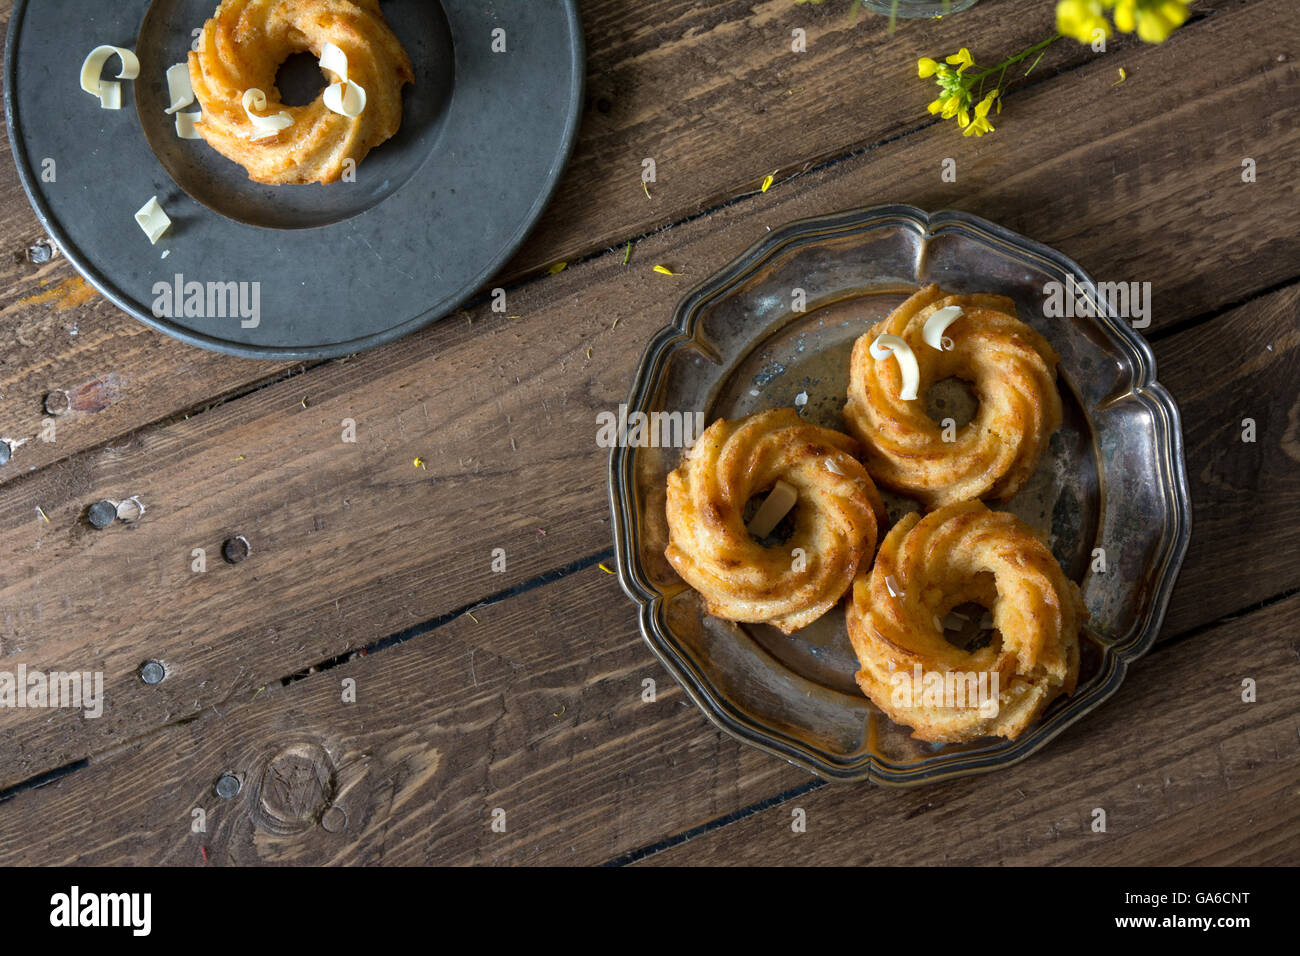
(1116, 658)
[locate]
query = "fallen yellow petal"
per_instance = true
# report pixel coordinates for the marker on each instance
(558, 267)
(664, 271)
(1122, 77)
(767, 183)
(603, 568)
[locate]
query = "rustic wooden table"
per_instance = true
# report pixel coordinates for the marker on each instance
(520, 690)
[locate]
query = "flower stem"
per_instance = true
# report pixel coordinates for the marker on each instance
(1017, 58)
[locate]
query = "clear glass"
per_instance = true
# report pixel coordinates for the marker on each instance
(919, 8)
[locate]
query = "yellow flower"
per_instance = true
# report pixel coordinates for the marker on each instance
(1082, 19)
(1155, 20)
(957, 92)
(961, 59)
(980, 124)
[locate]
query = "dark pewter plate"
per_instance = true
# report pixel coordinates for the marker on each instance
(1113, 477)
(433, 214)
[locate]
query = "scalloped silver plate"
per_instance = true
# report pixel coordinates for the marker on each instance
(1113, 478)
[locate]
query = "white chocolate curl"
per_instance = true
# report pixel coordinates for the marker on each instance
(334, 60)
(775, 507)
(108, 92)
(343, 97)
(937, 324)
(178, 88)
(255, 99)
(153, 220)
(346, 99)
(185, 125)
(886, 345)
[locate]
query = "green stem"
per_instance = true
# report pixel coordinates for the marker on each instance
(1018, 57)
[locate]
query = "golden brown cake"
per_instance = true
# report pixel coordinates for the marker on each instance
(835, 524)
(925, 568)
(242, 48)
(1010, 367)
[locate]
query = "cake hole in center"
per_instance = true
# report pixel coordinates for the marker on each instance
(299, 80)
(784, 529)
(953, 398)
(969, 626)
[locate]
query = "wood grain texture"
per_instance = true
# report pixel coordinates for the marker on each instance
(534, 706)
(1239, 367)
(352, 542)
(698, 87)
(1186, 772)
(712, 92)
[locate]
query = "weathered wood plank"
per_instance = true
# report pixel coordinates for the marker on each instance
(1239, 368)
(712, 92)
(1185, 771)
(716, 95)
(535, 708)
(352, 542)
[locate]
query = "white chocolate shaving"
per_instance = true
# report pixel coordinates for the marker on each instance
(108, 92)
(833, 467)
(892, 586)
(185, 125)
(343, 96)
(153, 220)
(334, 60)
(937, 324)
(346, 99)
(179, 88)
(255, 99)
(775, 507)
(886, 345)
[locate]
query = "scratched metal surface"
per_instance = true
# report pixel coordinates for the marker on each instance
(1112, 477)
(339, 269)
